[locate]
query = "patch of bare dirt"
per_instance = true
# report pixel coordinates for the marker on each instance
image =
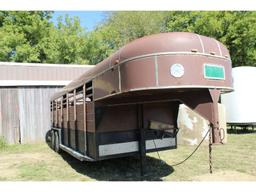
(225, 176)
(9, 163)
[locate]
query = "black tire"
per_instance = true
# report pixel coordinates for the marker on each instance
(52, 140)
(57, 142)
(48, 137)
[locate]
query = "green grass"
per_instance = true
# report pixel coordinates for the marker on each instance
(3, 143)
(39, 162)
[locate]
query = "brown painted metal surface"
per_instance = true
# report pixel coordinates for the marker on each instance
(138, 64)
(141, 73)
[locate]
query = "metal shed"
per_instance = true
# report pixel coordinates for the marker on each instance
(25, 91)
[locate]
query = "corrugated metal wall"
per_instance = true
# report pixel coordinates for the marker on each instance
(9, 115)
(25, 113)
(40, 72)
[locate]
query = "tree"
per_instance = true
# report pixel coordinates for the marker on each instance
(21, 33)
(234, 29)
(65, 43)
(30, 36)
(119, 28)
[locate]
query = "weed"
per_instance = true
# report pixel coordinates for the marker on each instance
(3, 143)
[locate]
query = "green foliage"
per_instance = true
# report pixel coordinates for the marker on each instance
(120, 28)
(65, 43)
(3, 143)
(30, 36)
(236, 30)
(21, 33)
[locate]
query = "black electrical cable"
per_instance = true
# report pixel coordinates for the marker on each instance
(191, 153)
(157, 151)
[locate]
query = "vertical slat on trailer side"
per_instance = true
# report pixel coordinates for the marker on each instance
(61, 113)
(52, 113)
(1, 119)
(56, 113)
(68, 128)
(85, 126)
(142, 140)
(75, 121)
(65, 124)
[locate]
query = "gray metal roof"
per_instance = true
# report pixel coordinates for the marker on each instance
(33, 74)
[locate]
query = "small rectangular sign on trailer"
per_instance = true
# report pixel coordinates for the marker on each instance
(212, 71)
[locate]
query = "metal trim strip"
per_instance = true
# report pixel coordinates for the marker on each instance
(119, 78)
(219, 47)
(169, 87)
(45, 65)
(32, 83)
(201, 42)
(128, 147)
(75, 154)
(171, 53)
(156, 71)
(145, 56)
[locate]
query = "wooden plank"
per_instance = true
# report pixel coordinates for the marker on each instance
(10, 115)
(35, 115)
(25, 113)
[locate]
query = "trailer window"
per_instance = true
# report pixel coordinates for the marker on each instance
(89, 91)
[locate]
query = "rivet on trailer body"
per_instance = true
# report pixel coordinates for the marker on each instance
(194, 50)
(116, 61)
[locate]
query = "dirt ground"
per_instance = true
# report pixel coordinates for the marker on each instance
(225, 176)
(234, 161)
(9, 166)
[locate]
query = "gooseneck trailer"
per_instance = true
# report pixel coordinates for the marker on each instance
(128, 104)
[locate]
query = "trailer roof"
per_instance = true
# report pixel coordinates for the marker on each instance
(157, 44)
(37, 74)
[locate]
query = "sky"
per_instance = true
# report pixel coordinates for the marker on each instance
(88, 19)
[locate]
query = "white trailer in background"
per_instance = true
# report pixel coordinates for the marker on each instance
(241, 103)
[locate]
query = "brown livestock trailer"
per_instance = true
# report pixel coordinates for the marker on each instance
(128, 103)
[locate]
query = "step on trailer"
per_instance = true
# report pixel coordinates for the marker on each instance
(128, 104)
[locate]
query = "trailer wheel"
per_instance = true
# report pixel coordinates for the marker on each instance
(52, 140)
(57, 142)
